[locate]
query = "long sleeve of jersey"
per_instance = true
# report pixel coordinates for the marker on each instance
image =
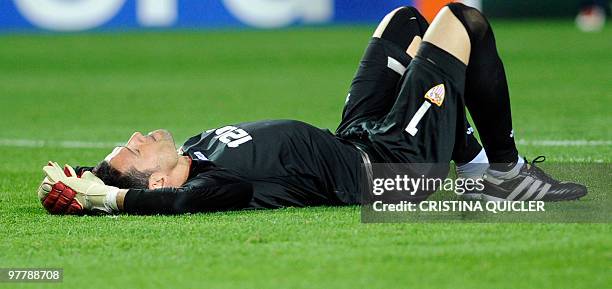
(212, 190)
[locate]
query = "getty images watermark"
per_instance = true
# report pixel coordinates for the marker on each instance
(470, 188)
(434, 193)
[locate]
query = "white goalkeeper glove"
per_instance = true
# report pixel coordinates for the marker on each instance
(90, 192)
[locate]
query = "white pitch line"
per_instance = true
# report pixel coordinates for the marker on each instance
(564, 143)
(30, 143)
(564, 159)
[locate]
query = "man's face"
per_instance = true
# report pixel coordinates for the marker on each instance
(154, 152)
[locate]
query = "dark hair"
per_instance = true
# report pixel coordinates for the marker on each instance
(132, 179)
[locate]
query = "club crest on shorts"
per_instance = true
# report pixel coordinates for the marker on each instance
(436, 94)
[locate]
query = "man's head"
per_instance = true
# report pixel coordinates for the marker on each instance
(145, 161)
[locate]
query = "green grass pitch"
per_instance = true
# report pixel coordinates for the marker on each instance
(101, 87)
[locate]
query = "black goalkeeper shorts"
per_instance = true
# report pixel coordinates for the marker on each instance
(411, 114)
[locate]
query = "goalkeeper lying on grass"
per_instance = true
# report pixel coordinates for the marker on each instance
(406, 104)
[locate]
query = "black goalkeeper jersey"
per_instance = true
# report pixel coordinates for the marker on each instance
(263, 164)
(290, 163)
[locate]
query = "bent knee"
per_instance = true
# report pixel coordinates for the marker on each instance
(401, 26)
(475, 23)
(448, 33)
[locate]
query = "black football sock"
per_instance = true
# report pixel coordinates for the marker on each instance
(486, 90)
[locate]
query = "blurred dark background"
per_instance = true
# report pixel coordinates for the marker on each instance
(80, 15)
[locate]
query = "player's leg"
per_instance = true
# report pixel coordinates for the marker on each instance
(467, 152)
(419, 133)
(374, 87)
(487, 99)
(422, 124)
(486, 88)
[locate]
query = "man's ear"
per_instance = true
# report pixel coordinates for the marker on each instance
(157, 180)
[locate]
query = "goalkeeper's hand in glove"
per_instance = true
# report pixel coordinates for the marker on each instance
(62, 192)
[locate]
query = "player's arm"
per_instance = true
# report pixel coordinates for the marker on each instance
(63, 192)
(211, 191)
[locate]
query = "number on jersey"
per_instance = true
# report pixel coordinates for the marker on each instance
(232, 136)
